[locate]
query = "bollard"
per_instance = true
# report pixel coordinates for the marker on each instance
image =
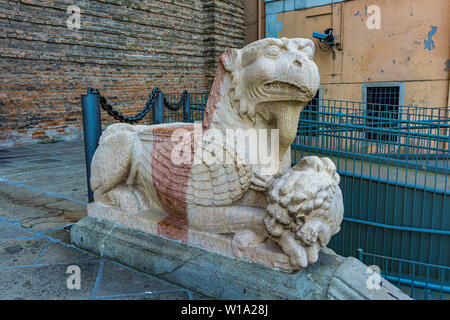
(92, 130)
(187, 108)
(158, 108)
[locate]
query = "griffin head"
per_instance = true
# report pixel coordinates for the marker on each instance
(271, 70)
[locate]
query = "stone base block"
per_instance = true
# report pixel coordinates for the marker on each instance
(223, 277)
(149, 221)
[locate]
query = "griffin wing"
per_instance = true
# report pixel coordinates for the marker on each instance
(219, 175)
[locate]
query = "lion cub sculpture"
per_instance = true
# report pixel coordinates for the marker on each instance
(190, 182)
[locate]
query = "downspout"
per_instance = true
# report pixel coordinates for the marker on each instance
(448, 97)
(447, 110)
(259, 19)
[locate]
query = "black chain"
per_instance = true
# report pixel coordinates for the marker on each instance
(139, 116)
(134, 119)
(177, 106)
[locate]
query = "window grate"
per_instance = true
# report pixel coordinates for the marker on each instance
(382, 107)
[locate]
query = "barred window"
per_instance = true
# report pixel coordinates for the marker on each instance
(382, 108)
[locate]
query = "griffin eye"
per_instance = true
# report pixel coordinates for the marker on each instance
(273, 51)
(309, 51)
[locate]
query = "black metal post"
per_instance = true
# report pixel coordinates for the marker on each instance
(187, 108)
(158, 108)
(92, 130)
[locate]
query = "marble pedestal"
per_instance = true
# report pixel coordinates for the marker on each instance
(222, 277)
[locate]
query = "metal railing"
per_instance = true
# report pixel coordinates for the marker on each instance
(412, 282)
(394, 168)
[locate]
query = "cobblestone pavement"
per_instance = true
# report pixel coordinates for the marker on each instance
(42, 193)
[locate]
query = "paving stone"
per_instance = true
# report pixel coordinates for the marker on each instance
(19, 159)
(197, 296)
(28, 167)
(45, 161)
(56, 174)
(12, 210)
(56, 182)
(21, 252)
(22, 163)
(73, 163)
(46, 223)
(62, 235)
(41, 217)
(77, 194)
(75, 210)
(58, 186)
(10, 231)
(21, 195)
(59, 253)
(46, 282)
(80, 166)
(18, 148)
(74, 154)
(120, 280)
(25, 155)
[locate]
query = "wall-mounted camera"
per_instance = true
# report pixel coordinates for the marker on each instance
(328, 39)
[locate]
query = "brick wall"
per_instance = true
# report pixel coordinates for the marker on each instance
(124, 48)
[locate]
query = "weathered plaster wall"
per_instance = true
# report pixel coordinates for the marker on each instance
(412, 45)
(124, 48)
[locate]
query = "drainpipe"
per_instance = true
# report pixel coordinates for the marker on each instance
(448, 97)
(259, 18)
(447, 111)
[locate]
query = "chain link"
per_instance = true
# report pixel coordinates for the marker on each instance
(134, 119)
(140, 115)
(178, 105)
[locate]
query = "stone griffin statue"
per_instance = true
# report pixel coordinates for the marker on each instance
(280, 219)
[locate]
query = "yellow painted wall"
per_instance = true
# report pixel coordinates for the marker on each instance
(395, 52)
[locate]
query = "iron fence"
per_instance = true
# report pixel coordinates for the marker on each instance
(394, 166)
(418, 287)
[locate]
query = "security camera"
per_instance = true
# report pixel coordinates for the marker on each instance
(326, 37)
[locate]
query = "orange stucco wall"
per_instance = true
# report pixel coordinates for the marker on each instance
(395, 52)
